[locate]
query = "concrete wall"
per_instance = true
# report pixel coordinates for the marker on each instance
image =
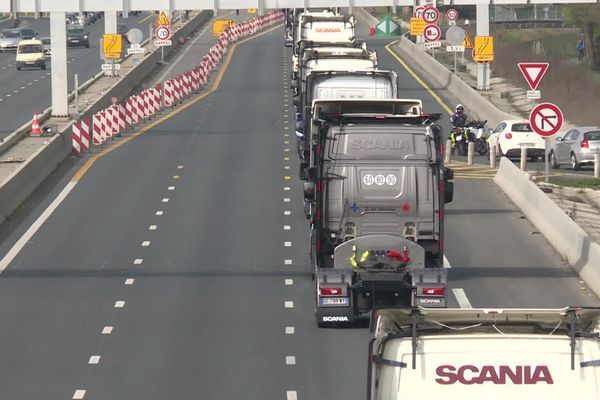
(567, 238)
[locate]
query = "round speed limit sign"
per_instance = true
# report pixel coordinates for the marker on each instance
(431, 15)
(162, 33)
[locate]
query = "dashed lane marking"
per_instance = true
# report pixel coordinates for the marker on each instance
(152, 227)
(288, 304)
(138, 261)
(286, 200)
(291, 395)
(165, 200)
(171, 188)
(94, 360)
(286, 188)
(290, 360)
(287, 213)
(290, 330)
(159, 213)
(287, 244)
(79, 394)
(288, 282)
(145, 243)
(119, 304)
(129, 281)
(287, 227)
(288, 262)
(175, 176)
(107, 330)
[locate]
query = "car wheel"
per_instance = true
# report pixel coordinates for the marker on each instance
(43, 66)
(552, 160)
(574, 164)
(18, 68)
(87, 46)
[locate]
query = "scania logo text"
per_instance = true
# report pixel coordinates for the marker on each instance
(336, 319)
(328, 30)
(497, 375)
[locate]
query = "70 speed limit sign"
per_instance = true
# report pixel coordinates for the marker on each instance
(162, 32)
(431, 15)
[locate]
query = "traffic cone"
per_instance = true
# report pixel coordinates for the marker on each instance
(35, 126)
(372, 31)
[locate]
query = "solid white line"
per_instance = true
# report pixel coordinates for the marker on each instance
(461, 298)
(17, 247)
(79, 394)
(288, 304)
(288, 262)
(119, 304)
(107, 330)
(290, 330)
(290, 360)
(94, 360)
(289, 282)
(129, 281)
(292, 395)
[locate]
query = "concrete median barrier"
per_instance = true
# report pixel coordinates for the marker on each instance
(567, 238)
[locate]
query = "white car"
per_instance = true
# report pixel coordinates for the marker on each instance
(510, 135)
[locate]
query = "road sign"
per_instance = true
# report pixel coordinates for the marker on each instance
(159, 43)
(162, 33)
(546, 119)
(534, 94)
(468, 42)
(387, 26)
(252, 11)
(162, 19)
(431, 15)
(484, 49)
(433, 45)
(135, 36)
(455, 35)
(432, 33)
(419, 12)
(455, 49)
(452, 15)
(108, 67)
(135, 49)
(219, 25)
(112, 45)
(533, 73)
(417, 26)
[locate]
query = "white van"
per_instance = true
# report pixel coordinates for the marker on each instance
(474, 354)
(30, 53)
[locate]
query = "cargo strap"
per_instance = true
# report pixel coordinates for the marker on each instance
(592, 363)
(392, 363)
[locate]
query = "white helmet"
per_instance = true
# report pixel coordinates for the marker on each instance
(459, 106)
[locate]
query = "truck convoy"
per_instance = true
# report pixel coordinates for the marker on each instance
(375, 184)
(464, 354)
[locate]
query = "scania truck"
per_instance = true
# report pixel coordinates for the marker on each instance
(375, 193)
(474, 354)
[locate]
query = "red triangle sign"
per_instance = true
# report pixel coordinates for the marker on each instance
(533, 73)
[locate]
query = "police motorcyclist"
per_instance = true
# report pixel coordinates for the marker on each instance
(459, 120)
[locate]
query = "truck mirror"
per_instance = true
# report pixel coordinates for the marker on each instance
(448, 192)
(300, 127)
(309, 190)
(449, 174)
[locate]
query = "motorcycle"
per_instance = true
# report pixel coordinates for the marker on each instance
(461, 140)
(477, 133)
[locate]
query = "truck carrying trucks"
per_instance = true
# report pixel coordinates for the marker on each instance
(375, 194)
(474, 354)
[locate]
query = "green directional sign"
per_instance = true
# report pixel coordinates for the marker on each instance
(387, 27)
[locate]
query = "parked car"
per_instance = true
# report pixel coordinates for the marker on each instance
(9, 39)
(46, 46)
(78, 37)
(30, 53)
(510, 135)
(576, 147)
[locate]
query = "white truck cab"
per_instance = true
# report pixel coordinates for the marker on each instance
(474, 354)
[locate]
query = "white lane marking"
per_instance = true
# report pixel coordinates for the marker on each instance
(290, 360)
(286, 199)
(138, 261)
(287, 227)
(461, 298)
(171, 188)
(287, 244)
(165, 200)
(17, 247)
(16, 91)
(175, 176)
(36, 80)
(292, 395)
(288, 304)
(8, 95)
(119, 304)
(145, 243)
(289, 282)
(107, 330)
(287, 213)
(94, 360)
(22, 87)
(79, 394)
(446, 262)
(286, 188)
(160, 212)
(286, 167)
(152, 227)
(129, 281)
(1, 99)
(180, 167)
(290, 330)
(288, 262)
(29, 83)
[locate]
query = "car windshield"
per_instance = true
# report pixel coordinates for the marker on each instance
(10, 34)
(592, 135)
(30, 48)
(521, 128)
(75, 31)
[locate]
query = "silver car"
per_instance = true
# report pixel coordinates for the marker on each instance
(9, 39)
(576, 147)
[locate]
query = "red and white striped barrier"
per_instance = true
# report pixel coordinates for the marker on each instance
(97, 129)
(129, 113)
(169, 93)
(81, 137)
(108, 123)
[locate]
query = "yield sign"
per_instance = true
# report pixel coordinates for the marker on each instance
(533, 73)
(546, 119)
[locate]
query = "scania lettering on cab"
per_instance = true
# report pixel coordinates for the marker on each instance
(474, 354)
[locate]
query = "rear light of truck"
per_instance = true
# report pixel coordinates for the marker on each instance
(584, 144)
(330, 291)
(437, 291)
(508, 135)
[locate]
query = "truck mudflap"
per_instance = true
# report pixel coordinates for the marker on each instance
(430, 286)
(334, 303)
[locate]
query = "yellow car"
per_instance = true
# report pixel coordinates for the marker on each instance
(30, 53)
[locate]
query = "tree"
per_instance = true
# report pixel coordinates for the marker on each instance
(588, 18)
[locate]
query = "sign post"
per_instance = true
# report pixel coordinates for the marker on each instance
(162, 33)
(546, 119)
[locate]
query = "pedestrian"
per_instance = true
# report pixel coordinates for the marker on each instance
(580, 47)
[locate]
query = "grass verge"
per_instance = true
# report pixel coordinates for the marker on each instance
(575, 182)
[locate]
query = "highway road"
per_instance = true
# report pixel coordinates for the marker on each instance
(23, 92)
(177, 264)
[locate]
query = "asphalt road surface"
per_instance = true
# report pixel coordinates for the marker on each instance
(177, 266)
(23, 92)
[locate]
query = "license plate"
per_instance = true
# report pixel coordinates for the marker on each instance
(333, 301)
(527, 144)
(458, 137)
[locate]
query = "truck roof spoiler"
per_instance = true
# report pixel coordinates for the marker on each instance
(408, 111)
(412, 322)
(327, 18)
